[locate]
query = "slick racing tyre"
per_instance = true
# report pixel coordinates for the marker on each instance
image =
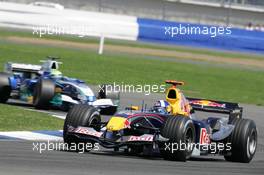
(5, 88)
(43, 93)
(80, 115)
(181, 134)
(107, 91)
(243, 141)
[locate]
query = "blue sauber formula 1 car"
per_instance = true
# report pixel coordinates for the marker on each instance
(44, 86)
(170, 128)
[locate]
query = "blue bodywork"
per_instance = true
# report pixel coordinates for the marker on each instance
(75, 88)
(158, 119)
(24, 78)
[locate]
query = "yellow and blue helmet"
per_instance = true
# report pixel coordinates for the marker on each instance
(161, 106)
(55, 73)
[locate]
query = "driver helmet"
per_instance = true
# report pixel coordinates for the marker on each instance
(161, 106)
(55, 73)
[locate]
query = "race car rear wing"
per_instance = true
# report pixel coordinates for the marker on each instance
(233, 109)
(18, 67)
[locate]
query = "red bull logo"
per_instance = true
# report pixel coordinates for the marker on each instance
(127, 124)
(207, 103)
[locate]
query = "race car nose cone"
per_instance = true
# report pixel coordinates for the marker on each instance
(116, 124)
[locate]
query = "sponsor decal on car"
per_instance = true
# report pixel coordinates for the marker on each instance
(204, 137)
(87, 131)
(144, 138)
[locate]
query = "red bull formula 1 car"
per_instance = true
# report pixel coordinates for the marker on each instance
(169, 128)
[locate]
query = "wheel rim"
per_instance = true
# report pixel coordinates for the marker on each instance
(93, 123)
(36, 94)
(252, 143)
(189, 139)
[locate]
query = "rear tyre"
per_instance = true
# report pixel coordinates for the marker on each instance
(43, 93)
(80, 115)
(180, 131)
(5, 88)
(243, 141)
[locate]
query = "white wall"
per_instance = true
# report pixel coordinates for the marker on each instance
(180, 11)
(92, 23)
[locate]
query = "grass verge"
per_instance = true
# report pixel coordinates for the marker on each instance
(4, 32)
(210, 80)
(13, 118)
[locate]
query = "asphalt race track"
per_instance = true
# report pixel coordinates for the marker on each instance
(18, 157)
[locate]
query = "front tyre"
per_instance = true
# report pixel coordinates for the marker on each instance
(243, 141)
(80, 115)
(180, 131)
(108, 92)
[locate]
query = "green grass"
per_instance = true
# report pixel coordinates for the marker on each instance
(13, 118)
(224, 54)
(210, 81)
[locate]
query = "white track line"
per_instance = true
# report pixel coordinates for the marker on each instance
(32, 135)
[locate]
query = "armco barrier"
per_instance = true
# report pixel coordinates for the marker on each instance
(236, 40)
